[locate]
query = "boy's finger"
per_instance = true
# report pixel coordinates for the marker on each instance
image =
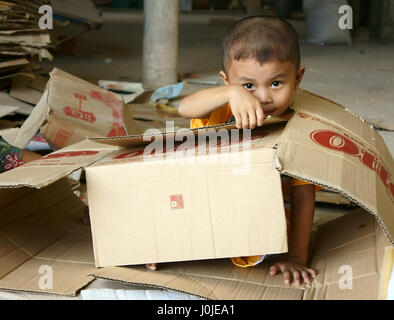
(245, 121)
(287, 277)
(296, 277)
(252, 120)
(238, 120)
(260, 117)
(274, 270)
(312, 272)
(305, 276)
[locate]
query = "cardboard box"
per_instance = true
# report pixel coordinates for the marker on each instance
(71, 110)
(323, 143)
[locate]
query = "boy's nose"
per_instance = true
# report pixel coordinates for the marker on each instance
(264, 97)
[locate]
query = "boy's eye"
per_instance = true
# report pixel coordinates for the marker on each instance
(276, 84)
(248, 86)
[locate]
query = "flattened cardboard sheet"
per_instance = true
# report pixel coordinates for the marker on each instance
(44, 247)
(354, 240)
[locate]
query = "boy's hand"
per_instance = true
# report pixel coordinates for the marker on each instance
(245, 107)
(293, 270)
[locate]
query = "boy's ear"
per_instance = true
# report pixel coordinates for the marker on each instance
(223, 75)
(300, 75)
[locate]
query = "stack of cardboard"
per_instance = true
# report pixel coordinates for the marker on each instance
(21, 39)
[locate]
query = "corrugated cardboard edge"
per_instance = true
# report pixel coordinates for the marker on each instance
(143, 284)
(143, 138)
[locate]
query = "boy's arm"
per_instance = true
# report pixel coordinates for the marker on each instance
(245, 107)
(302, 212)
(201, 103)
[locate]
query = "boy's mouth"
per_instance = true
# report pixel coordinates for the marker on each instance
(269, 112)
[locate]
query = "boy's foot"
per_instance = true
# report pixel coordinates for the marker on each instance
(152, 266)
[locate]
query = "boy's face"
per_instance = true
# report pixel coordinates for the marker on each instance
(273, 83)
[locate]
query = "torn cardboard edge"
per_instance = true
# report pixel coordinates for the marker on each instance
(141, 139)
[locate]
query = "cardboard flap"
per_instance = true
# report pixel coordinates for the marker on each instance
(52, 167)
(44, 247)
(85, 105)
(346, 155)
(146, 138)
(33, 123)
(349, 255)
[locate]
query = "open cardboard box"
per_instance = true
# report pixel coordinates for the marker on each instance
(153, 210)
(71, 110)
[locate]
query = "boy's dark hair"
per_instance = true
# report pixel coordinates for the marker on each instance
(264, 38)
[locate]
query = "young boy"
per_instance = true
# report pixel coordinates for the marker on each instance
(261, 71)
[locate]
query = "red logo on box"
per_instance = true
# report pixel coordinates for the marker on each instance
(176, 201)
(83, 115)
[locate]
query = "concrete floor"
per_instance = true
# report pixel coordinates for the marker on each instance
(360, 76)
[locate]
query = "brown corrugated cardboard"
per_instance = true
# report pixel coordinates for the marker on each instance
(357, 248)
(323, 143)
(80, 106)
(74, 110)
(387, 273)
(44, 248)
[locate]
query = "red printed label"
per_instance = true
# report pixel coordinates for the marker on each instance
(79, 114)
(334, 141)
(176, 202)
(70, 154)
(106, 97)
